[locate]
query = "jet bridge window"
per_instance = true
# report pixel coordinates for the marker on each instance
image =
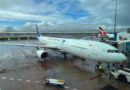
(113, 51)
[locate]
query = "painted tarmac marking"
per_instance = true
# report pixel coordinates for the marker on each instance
(19, 80)
(11, 78)
(66, 87)
(4, 78)
(36, 81)
(28, 81)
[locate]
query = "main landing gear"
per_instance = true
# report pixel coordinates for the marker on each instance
(108, 65)
(65, 56)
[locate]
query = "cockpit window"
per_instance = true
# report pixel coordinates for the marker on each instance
(113, 51)
(108, 51)
(117, 51)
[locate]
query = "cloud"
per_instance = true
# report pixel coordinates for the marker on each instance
(65, 15)
(51, 27)
(16, 16)
(7, 28)
(102, 11)
(123, 12)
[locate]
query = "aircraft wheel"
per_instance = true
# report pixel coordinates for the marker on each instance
(108, 66)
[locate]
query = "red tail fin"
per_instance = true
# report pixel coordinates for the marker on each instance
(102, 31)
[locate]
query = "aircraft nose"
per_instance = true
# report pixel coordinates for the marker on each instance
(122, 57)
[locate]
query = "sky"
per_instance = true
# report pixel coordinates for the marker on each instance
(63, 15)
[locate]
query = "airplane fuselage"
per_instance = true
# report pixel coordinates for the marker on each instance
(86, 49)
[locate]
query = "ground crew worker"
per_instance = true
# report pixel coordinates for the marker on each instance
(100, 70)
(98, 67)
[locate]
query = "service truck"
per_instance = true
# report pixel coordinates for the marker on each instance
(121, 74)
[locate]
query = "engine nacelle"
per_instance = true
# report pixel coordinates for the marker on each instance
(41, 54)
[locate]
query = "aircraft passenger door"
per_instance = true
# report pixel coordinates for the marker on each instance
(95, 50)
(89, 52)
(63, 44)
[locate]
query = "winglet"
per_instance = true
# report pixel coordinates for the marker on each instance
(38, 32)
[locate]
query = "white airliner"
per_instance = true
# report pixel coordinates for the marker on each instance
(84, 49)
(103, 34)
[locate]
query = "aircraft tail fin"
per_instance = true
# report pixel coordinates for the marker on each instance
(38, 32)
(102, 32)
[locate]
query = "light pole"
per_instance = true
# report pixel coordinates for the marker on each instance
(115, 16)
(115, 34)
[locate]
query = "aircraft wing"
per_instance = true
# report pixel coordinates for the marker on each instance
(30, 45)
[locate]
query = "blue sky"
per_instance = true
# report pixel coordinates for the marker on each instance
(55, 15)
(11, 23)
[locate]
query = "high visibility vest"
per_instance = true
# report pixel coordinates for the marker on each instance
(100, 67)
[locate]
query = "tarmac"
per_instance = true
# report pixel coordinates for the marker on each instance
(20, 69)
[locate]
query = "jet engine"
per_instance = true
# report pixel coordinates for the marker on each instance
(41, 54)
